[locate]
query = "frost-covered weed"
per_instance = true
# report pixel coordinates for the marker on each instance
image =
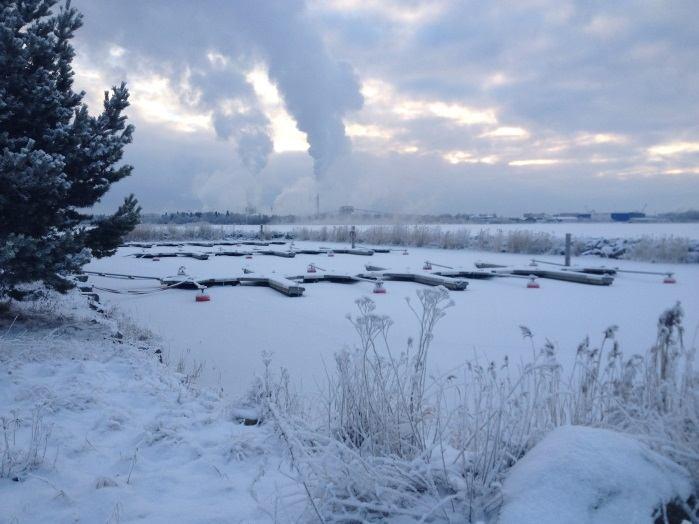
(129, 328)
(650, 249)
(663, 249)
(272, 392)
(22, 451)
(392, 443)
(376, 399)
(189, 374)
(156, 232)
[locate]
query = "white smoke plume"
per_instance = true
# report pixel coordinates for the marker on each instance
(318, 91)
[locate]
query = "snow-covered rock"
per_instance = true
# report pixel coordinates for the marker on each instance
(583, 475)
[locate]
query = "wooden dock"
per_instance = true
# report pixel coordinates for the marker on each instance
(591, 270)
(566, 276)
(467, 273)
(172, 254)
(231, 253)
(310, 252)
(357, 251)
(282, 285)
(337, 278)
(276, 253)
(428, 279)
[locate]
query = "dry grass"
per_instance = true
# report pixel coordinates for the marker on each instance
(393, 442)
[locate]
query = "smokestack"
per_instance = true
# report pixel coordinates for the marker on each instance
(317, 205)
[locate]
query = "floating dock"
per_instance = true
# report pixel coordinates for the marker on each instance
(428, 279)
(312, 278)
(467, 273)
(594, 270)
(357, 251)
(232, 253)
(275, 253)
(185, 254)
(282, 285)
(566, 275)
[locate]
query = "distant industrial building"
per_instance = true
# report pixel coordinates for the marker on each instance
(627, 217)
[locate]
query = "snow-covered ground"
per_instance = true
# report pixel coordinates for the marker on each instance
(230, 332)
(102, 432)
(95, 429)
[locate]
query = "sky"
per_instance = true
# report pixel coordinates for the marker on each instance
(401, 106)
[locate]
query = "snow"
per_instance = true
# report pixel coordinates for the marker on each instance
(127, 439)
(586, 475)
(230, 332)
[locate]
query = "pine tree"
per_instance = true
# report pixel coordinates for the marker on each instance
(55, 159)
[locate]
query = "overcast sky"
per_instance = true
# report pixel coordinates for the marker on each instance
(506, 107)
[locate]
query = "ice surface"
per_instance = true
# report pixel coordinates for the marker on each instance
(230, 332)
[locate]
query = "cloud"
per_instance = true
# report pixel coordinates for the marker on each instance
(673, 149)
(435, 106)
(506, 132)
(534, 162)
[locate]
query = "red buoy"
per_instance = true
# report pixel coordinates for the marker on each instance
(378, 288)
(202, 297)
(156, 259)
(248, 256)
(311, 268)
(669, 279)
(533, 284)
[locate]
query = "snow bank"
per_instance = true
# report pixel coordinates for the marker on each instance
(579, 474)
(97, 430)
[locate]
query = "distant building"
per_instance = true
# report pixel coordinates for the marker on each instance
(626, 216)
(346, 210)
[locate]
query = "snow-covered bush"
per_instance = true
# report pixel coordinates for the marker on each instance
(650, 249)
(662, 249)
(376, 399)
(23, 448)
(157, 232)
(272, 393)
(391, 443)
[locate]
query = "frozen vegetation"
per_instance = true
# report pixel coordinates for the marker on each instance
(394, 441)
(95, 428)
(650, 248)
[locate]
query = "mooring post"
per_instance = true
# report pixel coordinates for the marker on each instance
(568, 248)
(353, 236)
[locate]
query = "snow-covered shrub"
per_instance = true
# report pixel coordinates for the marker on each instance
(368, 455)
(662, 249)
(158, 232)
(272, 394)
(392, 443)
(377, 399)
(23, 449)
